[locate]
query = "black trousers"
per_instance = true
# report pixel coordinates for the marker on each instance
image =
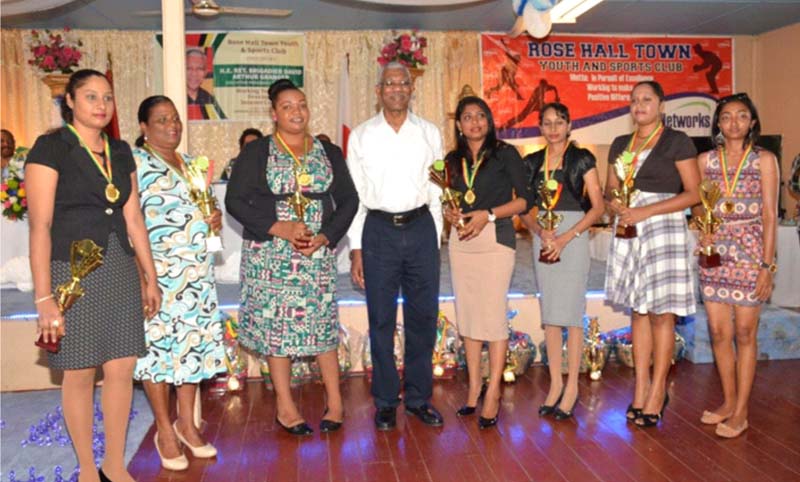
(401, 257)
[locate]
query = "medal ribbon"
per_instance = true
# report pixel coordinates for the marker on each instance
(298, 164)
(469, 176)
(638, 151)
(547, 173)
(181, 174)
(108, 174)
(731, 186)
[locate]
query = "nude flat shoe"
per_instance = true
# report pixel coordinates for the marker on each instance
(726, 431)
(711, 418)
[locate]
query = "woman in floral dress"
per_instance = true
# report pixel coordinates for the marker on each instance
(295, 198)
(734, 292)
(184, 339)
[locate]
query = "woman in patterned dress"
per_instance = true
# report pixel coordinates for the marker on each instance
(650, 274)
(734, 292)
(184, 339)
(295, 199)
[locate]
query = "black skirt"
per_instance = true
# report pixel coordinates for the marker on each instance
(107, 322)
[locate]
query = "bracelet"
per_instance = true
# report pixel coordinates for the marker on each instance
(578, 233)
(43, 298)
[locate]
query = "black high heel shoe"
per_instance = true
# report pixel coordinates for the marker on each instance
(632, 413)
(652, 419)
(301, 428)
(467, 410)
(484, 422)
(545, 410)
(103, 477)
(326, 426)
(563, 415)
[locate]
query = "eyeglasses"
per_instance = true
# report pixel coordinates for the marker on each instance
(403, 84)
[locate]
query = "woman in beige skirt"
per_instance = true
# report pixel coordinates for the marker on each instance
(487, 172)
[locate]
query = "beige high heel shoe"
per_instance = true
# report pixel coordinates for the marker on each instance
(206, 451)
(177, 463)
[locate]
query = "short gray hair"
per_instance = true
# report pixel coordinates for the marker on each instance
(195, 51)
(393, 65)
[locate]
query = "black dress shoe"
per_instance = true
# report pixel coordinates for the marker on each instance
(428, 414)
(103, 477)
(652, 419)
(465, 411)
(386, 418)
(301, 428)
(545, 410)
(326, 426)
(484, 422)
(632, 413)
(562, 414)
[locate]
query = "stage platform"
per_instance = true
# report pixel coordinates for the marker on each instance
(23, 366)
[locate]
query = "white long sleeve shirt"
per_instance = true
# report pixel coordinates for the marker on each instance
(390, 169)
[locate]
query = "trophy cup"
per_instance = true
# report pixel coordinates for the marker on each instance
(450, 196)
(84, 257)
(594, 350)
(298, 202)
(708, 223)
(201, 194)
(623, 168)
(550, 191)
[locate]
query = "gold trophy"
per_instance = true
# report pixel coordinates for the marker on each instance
(547, 218)
(623, 168)
(84, 257)
(708, 223)
(450, 196)
(594, 350)
(299, 203)
(201, 194)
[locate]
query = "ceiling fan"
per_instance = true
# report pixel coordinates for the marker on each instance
(210, 8)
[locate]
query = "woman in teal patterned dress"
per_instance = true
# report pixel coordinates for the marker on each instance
(184, 340)
(295, 199)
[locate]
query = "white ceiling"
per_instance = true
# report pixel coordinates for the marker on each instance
(710, 17)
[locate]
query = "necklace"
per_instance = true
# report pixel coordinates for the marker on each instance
(300, 167)
(730, 185)
(469, 177)
(111, 191)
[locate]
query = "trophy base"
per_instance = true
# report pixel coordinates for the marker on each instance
(625, 232)
(543, 259)
(709, 260)
(214, 244)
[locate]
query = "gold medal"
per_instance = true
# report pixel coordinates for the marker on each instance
(728, 207)
(469, 197)
(304, 179)
(112, 193)
(551, 184)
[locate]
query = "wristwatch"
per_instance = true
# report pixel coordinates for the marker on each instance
(492, 217)
(773, 268)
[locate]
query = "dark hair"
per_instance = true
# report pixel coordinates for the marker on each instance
(279, 86)
(752, 134)
(561, 111)
(76, 81)
(653, 85)
(6, 131)
(489, 143)
(250, 131)
(145, 107)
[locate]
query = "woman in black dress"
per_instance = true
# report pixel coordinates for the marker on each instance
(82, 185)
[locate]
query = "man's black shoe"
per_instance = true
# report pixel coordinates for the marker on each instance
(386, 418)
(428, 414)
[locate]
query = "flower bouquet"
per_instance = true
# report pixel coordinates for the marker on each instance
(52, 51)
(406, 49)
(13, 197)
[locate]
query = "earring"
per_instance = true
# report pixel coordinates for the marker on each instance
(145, 137)
(719, 139)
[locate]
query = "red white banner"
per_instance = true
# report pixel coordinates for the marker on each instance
(594, 75)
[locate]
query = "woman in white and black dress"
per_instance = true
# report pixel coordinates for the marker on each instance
(563, 284)
(82, 185)
(650, 274)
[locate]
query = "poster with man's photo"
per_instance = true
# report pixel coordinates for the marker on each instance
(593, 76)
(228, 73)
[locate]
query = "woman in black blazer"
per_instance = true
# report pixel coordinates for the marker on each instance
(82, 185)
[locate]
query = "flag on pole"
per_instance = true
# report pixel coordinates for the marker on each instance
(112, 129)
(344, 118)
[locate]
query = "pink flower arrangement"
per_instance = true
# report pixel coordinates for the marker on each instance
(14, 198)
(406, 49)
(54, 51)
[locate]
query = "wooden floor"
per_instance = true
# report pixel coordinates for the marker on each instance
(597, 444)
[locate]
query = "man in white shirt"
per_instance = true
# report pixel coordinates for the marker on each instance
(394, 242)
